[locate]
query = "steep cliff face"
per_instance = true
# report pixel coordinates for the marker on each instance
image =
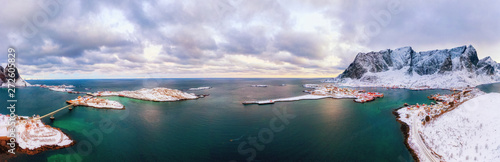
(459, 64)
(378, 62)
(487, 66)
(4, 75)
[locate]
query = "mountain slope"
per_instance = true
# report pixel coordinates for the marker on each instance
(20, 82)
(456, 67)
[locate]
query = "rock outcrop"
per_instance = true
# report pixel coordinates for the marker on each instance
(4, 76)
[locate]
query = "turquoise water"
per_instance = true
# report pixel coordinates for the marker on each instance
(212, 128)
(490, 88)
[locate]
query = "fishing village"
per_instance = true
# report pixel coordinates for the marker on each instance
(415, 118)
(317, 91)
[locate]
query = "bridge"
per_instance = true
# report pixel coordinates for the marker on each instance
(51, 114)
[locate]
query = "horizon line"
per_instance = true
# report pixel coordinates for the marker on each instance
(31, 79)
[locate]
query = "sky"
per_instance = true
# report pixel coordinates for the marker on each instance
(231, 38)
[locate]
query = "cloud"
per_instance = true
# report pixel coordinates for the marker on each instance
(303, 44)
(239, 38)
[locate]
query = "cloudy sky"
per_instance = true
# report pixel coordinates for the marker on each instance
(231, 38)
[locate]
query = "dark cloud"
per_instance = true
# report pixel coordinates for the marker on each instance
(419, 23)
(250, 41)
(303, 44)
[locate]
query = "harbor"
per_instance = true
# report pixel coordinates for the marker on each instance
(324, 91)
(420, 117)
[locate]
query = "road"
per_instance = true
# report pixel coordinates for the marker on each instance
(420, 144)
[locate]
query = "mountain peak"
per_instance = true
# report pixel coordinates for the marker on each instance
(462, 59)
(455, 67)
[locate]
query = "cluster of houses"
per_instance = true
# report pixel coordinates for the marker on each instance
(443, 104)
(95, 102)
(359, 95)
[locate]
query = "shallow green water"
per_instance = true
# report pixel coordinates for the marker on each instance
(212, 128)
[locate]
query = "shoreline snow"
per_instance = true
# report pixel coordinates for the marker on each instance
(324, 91)
(98, 103)
(155, 94)
(399, 79)
(33, 136)
(468, 131)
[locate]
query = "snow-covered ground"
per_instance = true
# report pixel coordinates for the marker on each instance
(4, 125)
(469, 132)
(155, 94)
(323, 91)
(199, 88)
(311, 85)
(20, 82)
(105, 93)
(59, 89)
(33, 134)
(96, 103)
(158, 94)
(399, 78)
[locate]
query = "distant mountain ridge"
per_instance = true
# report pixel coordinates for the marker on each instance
(459, 64)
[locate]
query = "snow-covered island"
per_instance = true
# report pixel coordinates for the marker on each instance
(58, 88)
(32, 136)
(405, 68)
(325, 91)
(155, 94)
(459, 127)
(199, 88)
(96, 103)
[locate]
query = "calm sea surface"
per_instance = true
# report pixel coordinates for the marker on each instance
(212, 128)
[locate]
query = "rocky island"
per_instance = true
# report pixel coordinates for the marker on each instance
(96, 103)
(32, 136)
(155, 94)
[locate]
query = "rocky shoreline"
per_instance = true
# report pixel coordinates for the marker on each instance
(451, 102)
(4, 147)
(405, 129)
(44, 147)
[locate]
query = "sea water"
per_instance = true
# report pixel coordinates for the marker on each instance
(219, 127)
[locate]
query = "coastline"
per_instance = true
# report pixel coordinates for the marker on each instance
(45, 147)
(325, 91)
(405, 129)
(155, 94)
(33, 137)
(4, 155)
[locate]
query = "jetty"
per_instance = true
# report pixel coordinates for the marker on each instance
(324, 91)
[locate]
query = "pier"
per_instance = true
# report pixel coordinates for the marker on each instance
(51, 114)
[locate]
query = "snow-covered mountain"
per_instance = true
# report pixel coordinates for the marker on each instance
(20, 82)
(456, 67)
